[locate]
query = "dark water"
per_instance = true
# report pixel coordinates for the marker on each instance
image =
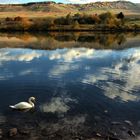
(80, 89)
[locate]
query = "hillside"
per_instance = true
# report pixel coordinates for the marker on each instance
(125, 6)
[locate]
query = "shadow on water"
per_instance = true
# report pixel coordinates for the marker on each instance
(86, 86)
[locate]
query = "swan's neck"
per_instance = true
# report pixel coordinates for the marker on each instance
(31, 103)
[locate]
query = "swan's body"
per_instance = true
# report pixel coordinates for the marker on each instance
(24, 105)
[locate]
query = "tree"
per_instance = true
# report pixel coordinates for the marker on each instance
(69, 18)
(18, 18)
(120, 16)
(8, 19)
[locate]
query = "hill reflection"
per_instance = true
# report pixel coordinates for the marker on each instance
(51, 41)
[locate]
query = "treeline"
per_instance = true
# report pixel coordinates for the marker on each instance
(104, 18)
(104, 21)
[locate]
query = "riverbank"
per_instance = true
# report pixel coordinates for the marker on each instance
(105, 22)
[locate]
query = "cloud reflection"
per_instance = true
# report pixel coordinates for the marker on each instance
(27, 72)
(118, 77)
(59, 69)
(125, 68)
(57, 105)
(72, 54)
(7, 54)
(69, 57)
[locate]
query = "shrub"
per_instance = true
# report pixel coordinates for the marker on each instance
(75, 25)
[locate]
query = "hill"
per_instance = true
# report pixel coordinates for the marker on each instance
(60, 8)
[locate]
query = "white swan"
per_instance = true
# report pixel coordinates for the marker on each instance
(24, 105)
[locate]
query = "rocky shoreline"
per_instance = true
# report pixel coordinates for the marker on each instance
(57, 131)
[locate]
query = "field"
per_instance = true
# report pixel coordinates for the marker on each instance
(42, 14)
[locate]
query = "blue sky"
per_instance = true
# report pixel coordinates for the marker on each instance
(64, 1)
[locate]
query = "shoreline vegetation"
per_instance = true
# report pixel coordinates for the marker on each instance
(77, 22)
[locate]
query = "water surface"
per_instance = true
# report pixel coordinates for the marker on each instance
(80, 89)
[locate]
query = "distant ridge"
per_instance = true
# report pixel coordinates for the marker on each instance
(50, 6)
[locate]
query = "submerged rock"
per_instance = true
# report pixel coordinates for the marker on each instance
(131, 133)
(98, 135)
(112, 138)
(115, 123)
(12, 132)
(123, 128)
(128, 122)
(112, 133)
(24, 132)
(1, 133)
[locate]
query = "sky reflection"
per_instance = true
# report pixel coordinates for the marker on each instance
(115, 72)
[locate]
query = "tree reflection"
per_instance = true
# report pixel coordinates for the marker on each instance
(53, 40)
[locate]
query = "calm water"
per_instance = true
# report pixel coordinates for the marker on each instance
(80, 89)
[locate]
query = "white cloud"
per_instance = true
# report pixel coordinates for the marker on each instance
(69, 55)
(10, 1)
(106, 76)
(7, 54)
(6, 76)
(17, 1)
(27, 72)
(93, 79)
(57, 104)
(65, 1)
(59, 69)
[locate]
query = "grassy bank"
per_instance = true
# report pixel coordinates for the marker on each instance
(77, 22)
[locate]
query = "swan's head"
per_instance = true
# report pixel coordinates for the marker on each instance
(32, 99)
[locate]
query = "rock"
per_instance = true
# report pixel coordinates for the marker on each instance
(123, 128)
(0, 131)
(138, 123)
(128, 122)
(12, 132)
(105, 111)
(113, 133)
(97, 118)
(78, 138)
(24, 132)
(131, 133)
(113, 138)
(98, 135)
(115, 123)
